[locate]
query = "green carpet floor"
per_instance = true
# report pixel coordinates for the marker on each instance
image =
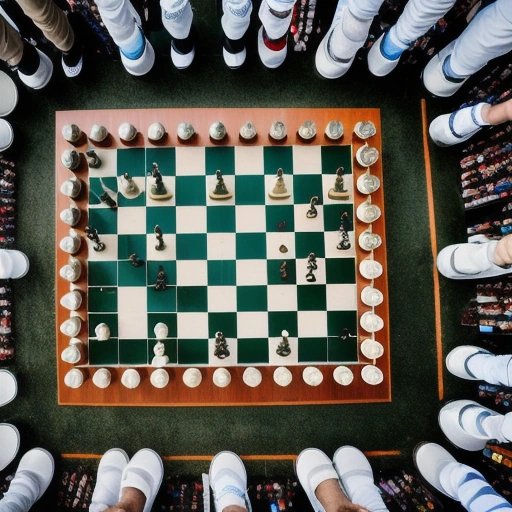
(412, 415)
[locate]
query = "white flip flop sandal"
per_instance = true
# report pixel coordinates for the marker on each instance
(457, 360)
(9, 444)
(8, 387)
(349, 461)
(39, 463)
(108, 480)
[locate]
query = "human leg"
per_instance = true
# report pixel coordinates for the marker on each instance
(235, 21)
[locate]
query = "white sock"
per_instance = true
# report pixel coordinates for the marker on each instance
(469, 119)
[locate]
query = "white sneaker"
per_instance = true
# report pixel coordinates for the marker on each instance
(181, 60)
(42, 76)
(271, 58)
(72, 71)
(378, 63)
(108, 480)
(143, 64)
(6, 135)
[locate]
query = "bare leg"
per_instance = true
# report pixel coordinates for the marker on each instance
(132, 500)
(333, 499)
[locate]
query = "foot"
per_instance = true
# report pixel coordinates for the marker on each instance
(459, 361)
(42, 75)
(381, 63)
(108, 481)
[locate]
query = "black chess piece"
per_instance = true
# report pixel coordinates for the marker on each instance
(161, 280)
(283, 349)
(93, 159)
(159, 238)
(105, 198)
(344, 243)
(135, 260)
(311, 266)
(92, 234)
(312, 212)
(283, 271)
(221, 346)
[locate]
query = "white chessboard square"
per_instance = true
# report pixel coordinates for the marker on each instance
(341, 297)
(312, 324)
(231, 360)
(328, 181)
(192, 326)
(282, 297)
(307, 159)
(331, 241)
(170, 185)
(274, 359)
(250, 219)
(108, 254)
(221, 246)
(252, 324)
(191, 272)
(251, 272)
(211, 182)
(302, 270)
(221, 299)
(305, 225)
(190, 219)
(270, 181)
(108, 166)
(131, 221)
(276, 240)
(249, 160)
(140, 181)
(132, 309)
(190, 161)
(169, 251)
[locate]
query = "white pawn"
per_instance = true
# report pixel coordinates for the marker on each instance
(71, 327)
(130, 378)
(72, 270)
(127, 132)
(102, 332)
(71, 354)
(74, 378)
(71, 300)
(98, 133)
(102, 378)
(159, 378)
(71, 187)
(71, 243)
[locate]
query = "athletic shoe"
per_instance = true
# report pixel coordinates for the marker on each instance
(6, 135)
(272, 53)
(378, 63)
(182, 59)
(108, 480)
(234, 52)
(143, 64)
(72, 71)
(42, 76)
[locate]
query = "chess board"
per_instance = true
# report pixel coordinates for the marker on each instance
(222, 259)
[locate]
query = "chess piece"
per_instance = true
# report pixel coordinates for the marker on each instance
(92, 234)
(71, 243)
(102, 378)
(307, 131)
(108, 200)
(339, 191)
(369, 241)
(367, 183)
(71, 216)
(135, 260)
(130, 378)
(279, 191)
(312, 212)
(158, 190)
(70, 159)
(368, 212)
(192, 377)
(71, 326)
(161, 331)
(220, 192)
(127, 132)
(312, 376)
(160, 358)
(252, 377)
(221, 346)
(159, 378)
(93, 160)
(334, 130)
(98, 133)
(283, 249)
(283, 349)
(283, 271)
(71, 187)
(185, 131)
(221, 377)
(365, 129)
(156, 132)
(372, 375)
(371, 296)
(344, 241)
(161, 280)
(71, 354)
(343, 375)
(71, 133)
(277, 131)
(345, 335)
(247, 132)
(282, 376)
(367, 155)
(370, 268)
(102, 332)
(371, 349)
(72, 270)
(371, 322)
(311, 267)
(71, 300)
(129, 188)
(74, 378)
(217, 131)
(160, 246)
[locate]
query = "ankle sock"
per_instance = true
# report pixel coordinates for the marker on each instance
(30, 60)
(134, 47)
(391, 47)
(468, 119)
(449, 73)
(183, 46)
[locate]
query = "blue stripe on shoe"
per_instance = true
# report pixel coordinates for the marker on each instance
(137, 50)
(451, 120)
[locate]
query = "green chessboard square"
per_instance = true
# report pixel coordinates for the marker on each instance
(190, 191)
(252, 351)
(278, 156)
(192, 352)
(164, 157)
(140, 200)
(192, 298)
(339, 351)
(311, 350)
(339, 320)
(96, 190)
(220, 219)
(130, 244)
(171, 350)
(103, 352)
(223, 322)
(336, 156)
(133, 352)
(249, 190)
(222, 273)
(340, 270)
(132, 161)
(251, 246)
(280, 218)
(311, 297)
(108, 318)
(169, 319)
(191, 246)
(130, 275)
(162, 301)
(309, 242)
(169, 268)
(279, 320)
(104, 220)
(251, 298)
(163, 216)
(305, 186)
(102, 273)
(332, 216)
(274, 273)
(220, 158)
(102, 299)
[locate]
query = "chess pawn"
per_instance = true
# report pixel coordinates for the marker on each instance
(161, 331)
(220, 192)
(307, 131)
(102, 331)
(192, 377)
(70, 216)
(72, 270)
(371, 349)
(221, 377)
(71, 300)
(71, 243)
(372, 375)
(98, 133)
(217, 131)
(371, 322)
(71, 327)
(368, 183)
(334, 130)
(279, 191)
(368, 212)
(371, 296)
(370, 268)
(127, 132)
(160, 358)
(71, 187)
(156, 132)
(365, 129)
(343, 375)
(159, 378)
(282, 376)
(367, 155)
(247, 132)
(102, 378)
(130, 378)
(185, 131)
(72, 354)
(70, 159)
(277, 131)
(71, 133)
(252, 377)
(312, 376)
(74, 378)
(369, 241)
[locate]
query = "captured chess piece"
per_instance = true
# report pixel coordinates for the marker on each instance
(161, 280)
(71, 187)
(312, 212)
(71, 243)
(71, 133)
(279, 191)
(160, 246)
(93, 159)
(283, 349)
(158, 190)
(135, 260)
(283, 271)
(221, 346)
(71, 216)
(220, 192)
(92, 235)
(339, 191)
(70, 159)
(311, 267)
(344, 241)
